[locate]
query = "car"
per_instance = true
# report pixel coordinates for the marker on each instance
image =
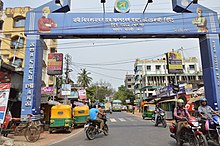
(124, 108)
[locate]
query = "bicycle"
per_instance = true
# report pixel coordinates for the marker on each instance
(28, 129)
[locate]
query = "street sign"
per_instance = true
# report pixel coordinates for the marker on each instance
(66, 89)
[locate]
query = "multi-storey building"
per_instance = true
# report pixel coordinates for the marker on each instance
(129, 82)
(13, 41)
(153, 74)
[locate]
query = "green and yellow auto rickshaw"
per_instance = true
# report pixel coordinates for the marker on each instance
(148, 110)
(61, 118)
(80, 114)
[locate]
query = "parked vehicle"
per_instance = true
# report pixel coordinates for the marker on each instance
(27, 128)
(61, 118)
(92, 128)
(190, 133)
(160, 118)
(148, 110)
(212, 129)
(80, 114)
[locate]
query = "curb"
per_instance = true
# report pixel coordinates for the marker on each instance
(72, 135)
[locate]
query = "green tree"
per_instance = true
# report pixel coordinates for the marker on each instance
(123, 94)
(84, 79)
(99, 91)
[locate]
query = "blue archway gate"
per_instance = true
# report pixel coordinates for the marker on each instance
(189, 21)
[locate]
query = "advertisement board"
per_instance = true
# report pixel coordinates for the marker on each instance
(55, 64)
(174, 62)
(66, 89)
(189, 89)
(4, 95)
(73, 95)
(82, 94)
(47, 90)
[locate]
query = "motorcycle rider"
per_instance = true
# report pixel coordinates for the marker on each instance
(181, 115)
(156, 112)
(93, 113)
(205, 111)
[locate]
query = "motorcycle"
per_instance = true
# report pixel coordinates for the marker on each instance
(161, 119)
(92, 128)
(190, 133)
(212, 129)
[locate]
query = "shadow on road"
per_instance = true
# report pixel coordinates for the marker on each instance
(173, 143)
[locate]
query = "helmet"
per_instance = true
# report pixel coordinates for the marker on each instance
(203, 100)
(180, 101)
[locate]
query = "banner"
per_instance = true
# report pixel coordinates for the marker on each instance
(47, 90)
(82, 94)
(55, 64)
(189, 89)
(73, 95)
(174, 63)
(4, 95)
(66, 89)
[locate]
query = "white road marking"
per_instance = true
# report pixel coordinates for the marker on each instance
(131, 119)
(112, 120)
(122, 120)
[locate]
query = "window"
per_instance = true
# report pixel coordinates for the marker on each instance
(5, 56)
(129, 86)
(1, 24)
(158, 67)
(18, 62)
(148, 67)
(129, 80)
(192, 67)
(14, 42)
(19, 21)
(52, 50)
(183, 67)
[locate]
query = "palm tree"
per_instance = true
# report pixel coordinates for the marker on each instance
(84, 79)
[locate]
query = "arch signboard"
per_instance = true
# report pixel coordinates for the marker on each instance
(51, 21)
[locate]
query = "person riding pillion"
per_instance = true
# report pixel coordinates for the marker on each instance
(93, 113)
(181, 115)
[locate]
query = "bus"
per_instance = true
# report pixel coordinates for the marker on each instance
(117, 105)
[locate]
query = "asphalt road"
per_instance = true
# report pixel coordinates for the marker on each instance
(125, 130)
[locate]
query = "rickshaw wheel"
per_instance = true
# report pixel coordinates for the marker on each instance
(32, 134)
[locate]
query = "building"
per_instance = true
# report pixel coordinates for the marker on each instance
(153, 74)
(129, 82)
(13, 41)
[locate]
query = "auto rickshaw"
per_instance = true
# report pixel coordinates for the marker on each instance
(80, 114)
(61, 118)
(148, 110)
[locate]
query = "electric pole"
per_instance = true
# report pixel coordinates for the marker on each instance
(68, 59)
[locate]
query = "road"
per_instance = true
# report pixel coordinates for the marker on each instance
(125, 130)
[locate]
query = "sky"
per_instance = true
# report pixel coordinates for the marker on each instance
(111, 59)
